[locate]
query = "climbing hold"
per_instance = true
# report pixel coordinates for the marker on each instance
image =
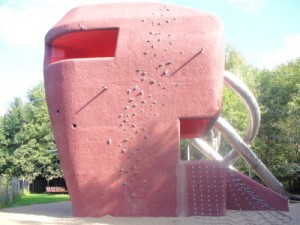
(140, 93)
(152, 82)
(165, 72)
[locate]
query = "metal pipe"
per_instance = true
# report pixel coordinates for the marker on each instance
(252, 107)
(188, 151)
(249, 156)
(203, 147)
(216, 139)
(253, 118)
(250, 102)
(54, 151)
(242, 146)
(232, 157)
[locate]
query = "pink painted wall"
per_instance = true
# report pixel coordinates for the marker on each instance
(123, 83)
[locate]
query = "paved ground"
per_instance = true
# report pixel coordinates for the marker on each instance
(60, 213)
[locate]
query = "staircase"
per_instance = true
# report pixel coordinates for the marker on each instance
(213, 188)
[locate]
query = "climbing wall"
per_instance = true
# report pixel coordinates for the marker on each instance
(123, 83)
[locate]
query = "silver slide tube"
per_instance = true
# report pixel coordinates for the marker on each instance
(250, 102)
(253, 119)
(249, 156)
(203, 147)
(208, 151)
(252, 108)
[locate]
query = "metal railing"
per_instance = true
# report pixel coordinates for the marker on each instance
(241, 146)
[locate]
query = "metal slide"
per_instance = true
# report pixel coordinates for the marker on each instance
(241, 146)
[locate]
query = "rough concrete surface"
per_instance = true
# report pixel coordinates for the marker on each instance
(123, 83)
(60, 213)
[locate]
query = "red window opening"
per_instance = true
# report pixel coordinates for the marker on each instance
(195, 127)
(85, 44)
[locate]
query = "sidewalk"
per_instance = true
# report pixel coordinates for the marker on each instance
(60, 213)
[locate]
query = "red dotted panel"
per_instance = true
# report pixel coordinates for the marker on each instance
(206, 188)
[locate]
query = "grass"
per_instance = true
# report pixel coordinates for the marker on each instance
(30, 199)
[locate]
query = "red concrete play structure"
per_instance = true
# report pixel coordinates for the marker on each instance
(124, 82)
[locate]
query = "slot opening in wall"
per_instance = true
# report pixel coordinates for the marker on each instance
(193, 128)
(84, 44)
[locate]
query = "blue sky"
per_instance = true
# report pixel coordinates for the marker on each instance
(266, 32)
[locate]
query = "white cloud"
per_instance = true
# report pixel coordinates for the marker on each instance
(13, 87)
(289, 51)
(247, 5)
(25, 24)
(23, 27)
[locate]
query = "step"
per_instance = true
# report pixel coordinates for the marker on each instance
(243, 193)
(206, 188)
(213, 188)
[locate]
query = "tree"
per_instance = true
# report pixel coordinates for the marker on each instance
(3, 156)
(277, 91)
(278, 143)
(233, 108)
(27, 134)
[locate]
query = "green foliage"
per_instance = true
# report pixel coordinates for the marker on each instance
(30, 199)
(278, 94)
(233, 109)
(279, 140)
(25, 134)
(239, 66)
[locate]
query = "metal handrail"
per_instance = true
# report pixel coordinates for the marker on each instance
(241, 145)
(250, 103)
(249, 156)
(252, 107)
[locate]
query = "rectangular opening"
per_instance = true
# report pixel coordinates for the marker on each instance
(193, 128)
(85, 44)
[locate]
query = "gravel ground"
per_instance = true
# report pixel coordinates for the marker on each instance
(60, 213)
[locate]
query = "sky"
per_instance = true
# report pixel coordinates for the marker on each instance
(266, 32)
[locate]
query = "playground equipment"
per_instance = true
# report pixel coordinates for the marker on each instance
(124, 82)
(242, 145)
